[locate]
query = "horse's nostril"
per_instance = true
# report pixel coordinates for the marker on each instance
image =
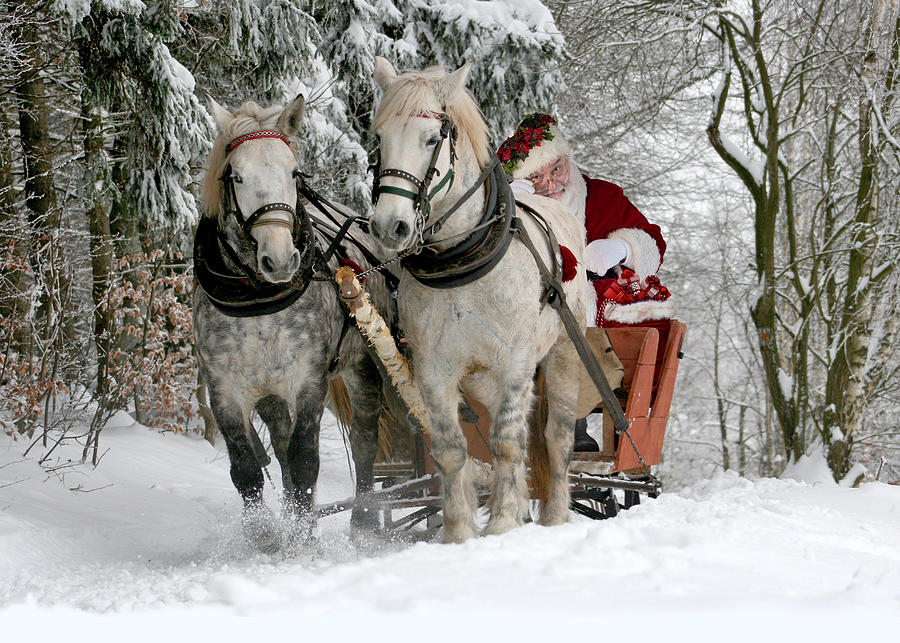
(266, 264)
(401, 229)
(295, 260)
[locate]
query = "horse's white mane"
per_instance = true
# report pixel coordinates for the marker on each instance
(412, 89)
(249, 117)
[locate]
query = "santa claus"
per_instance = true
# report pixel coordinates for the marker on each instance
(623, 250)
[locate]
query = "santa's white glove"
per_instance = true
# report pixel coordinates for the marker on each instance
(603, 254)
(522, 186)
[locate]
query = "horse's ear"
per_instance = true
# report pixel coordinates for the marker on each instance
(221, 115)
(289, 120)
(447, 89)
(384, 73)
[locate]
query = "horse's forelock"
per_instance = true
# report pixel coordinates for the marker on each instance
(250, 117)
(411, 91)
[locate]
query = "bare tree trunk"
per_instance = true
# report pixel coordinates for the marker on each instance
(766, 195)
(846, 385)
(37, 155)
(101, 239)
(97, 210)
(13, 247)
(721, 410)
(54, 329)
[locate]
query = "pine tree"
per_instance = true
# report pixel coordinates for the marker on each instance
(513, 46)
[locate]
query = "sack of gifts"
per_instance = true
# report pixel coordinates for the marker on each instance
(630, 300)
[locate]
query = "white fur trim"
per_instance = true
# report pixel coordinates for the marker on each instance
(645, 258)
(542, 154)
(591, 312)
(640, 311)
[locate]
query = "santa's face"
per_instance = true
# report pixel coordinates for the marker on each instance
(552, 179)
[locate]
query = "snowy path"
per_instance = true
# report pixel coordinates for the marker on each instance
(154, 532)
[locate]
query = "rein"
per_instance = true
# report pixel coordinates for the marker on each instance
(556, 297)
(480, 248)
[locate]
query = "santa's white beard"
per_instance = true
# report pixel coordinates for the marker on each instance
(575, 194)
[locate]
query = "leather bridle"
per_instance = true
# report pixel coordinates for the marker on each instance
(422, 197)
(231, 206)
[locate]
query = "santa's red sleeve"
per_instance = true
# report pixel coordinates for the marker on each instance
(610, 215)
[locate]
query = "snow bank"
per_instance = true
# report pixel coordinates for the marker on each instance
(149, 545)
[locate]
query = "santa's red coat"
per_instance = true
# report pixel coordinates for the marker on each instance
(609, 213)
(607, 209)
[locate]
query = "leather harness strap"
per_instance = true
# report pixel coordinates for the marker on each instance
(557, 301)
(479, 251)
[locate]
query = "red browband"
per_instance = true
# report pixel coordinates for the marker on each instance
(263, 133)
(427, 113)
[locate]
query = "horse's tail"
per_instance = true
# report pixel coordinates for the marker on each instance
(340, 403)
(538, 457)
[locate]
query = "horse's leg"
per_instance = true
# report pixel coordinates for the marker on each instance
(246, 469)
(303, 449)
(274, 412)
(364, 388)
(560, 366)
(450, 453)
(509, 501)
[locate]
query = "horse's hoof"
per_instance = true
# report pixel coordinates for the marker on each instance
(552, 516)
(364, 519)
(258, 524)
(300, 532)
(300, 523)
(500, 525)
(458, 534)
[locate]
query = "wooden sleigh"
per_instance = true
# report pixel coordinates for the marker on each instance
(409, 481)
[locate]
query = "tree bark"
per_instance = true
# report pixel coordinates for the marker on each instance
(13, 246)
(846, 382)
(96, 182)
(39, 191)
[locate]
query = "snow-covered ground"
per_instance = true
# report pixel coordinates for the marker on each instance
(148, 545)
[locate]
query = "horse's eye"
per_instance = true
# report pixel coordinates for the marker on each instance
(431, 142)
(236, 178)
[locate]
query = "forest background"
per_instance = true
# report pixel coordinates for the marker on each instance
(761, 135)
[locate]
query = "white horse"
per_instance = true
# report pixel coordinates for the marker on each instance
(486, 334)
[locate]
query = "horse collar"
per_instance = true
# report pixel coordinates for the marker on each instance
(478, 253)
(238, 292)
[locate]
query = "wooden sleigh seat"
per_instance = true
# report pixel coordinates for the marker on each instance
(646, 405)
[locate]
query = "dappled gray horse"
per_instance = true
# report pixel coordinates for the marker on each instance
(472, 303)
(268, 336)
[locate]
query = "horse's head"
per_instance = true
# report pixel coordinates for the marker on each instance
(251, 186)
(416, 124)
